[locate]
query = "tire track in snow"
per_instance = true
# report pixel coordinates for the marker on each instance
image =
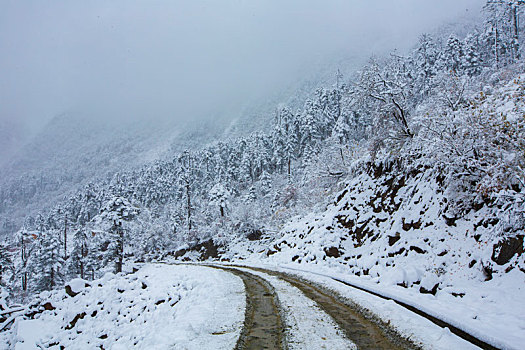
(307, 326)
(365, 333)
(482, 344)
(263, 327)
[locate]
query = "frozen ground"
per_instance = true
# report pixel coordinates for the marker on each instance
(157, 307)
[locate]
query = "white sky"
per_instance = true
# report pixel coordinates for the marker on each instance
(184, 59)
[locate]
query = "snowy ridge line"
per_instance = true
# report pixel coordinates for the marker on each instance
(455, 328)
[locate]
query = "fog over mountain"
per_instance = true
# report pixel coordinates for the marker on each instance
(91, 89)
(186, 59)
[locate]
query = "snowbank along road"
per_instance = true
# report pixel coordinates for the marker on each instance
(217, 306)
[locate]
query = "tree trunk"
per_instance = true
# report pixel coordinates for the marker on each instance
(65, 238)
(120, 256)
(402, 118)
(189, 205)
(24, 282)
(515, 23)
(82, 256)
(496, 54)
(24, 263)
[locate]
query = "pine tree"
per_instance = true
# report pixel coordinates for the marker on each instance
(309, 156)
(219, 196)
(452, 56)
(341, 133)
(425, 59)
(94, 258)
(109, 232)
(6, 263)
(26, 244)
(186, 181)
(47, 262)
(503, 25)
(266, 183)
(471, 60)
(288, 133)
(310, 128)
(251, 196)
(115, 246)
(79, 254)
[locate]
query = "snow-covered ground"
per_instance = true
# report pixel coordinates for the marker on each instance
(487, 319)
(391, 233)
(198, 307)
(157, 307)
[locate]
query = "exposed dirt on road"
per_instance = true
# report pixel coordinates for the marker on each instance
(365, 332)
(263, 328)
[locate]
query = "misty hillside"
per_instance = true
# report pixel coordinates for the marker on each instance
(75, 148)
(72, 150)
(391, 189)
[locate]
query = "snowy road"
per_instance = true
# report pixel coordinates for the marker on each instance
(369, 319)
(300, 322)
(262, 328)
(313, 318)
(215, 306)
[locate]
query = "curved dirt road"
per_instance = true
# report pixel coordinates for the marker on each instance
(265, 329)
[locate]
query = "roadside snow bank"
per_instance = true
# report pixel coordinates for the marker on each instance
(157, 307)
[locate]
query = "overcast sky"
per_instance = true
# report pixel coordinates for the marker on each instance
(184, 59)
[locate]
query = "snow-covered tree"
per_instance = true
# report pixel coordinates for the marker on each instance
(472, 62)
(388, 92)
(219, 196)
(47, 262)
(266, 184)
(426, 58)
(341, 135)
(452, 57)
(79, 255)
(114, 252)
(251, 196)
(6, 263)
(503, 20)
(186, 182)
(26, 242)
